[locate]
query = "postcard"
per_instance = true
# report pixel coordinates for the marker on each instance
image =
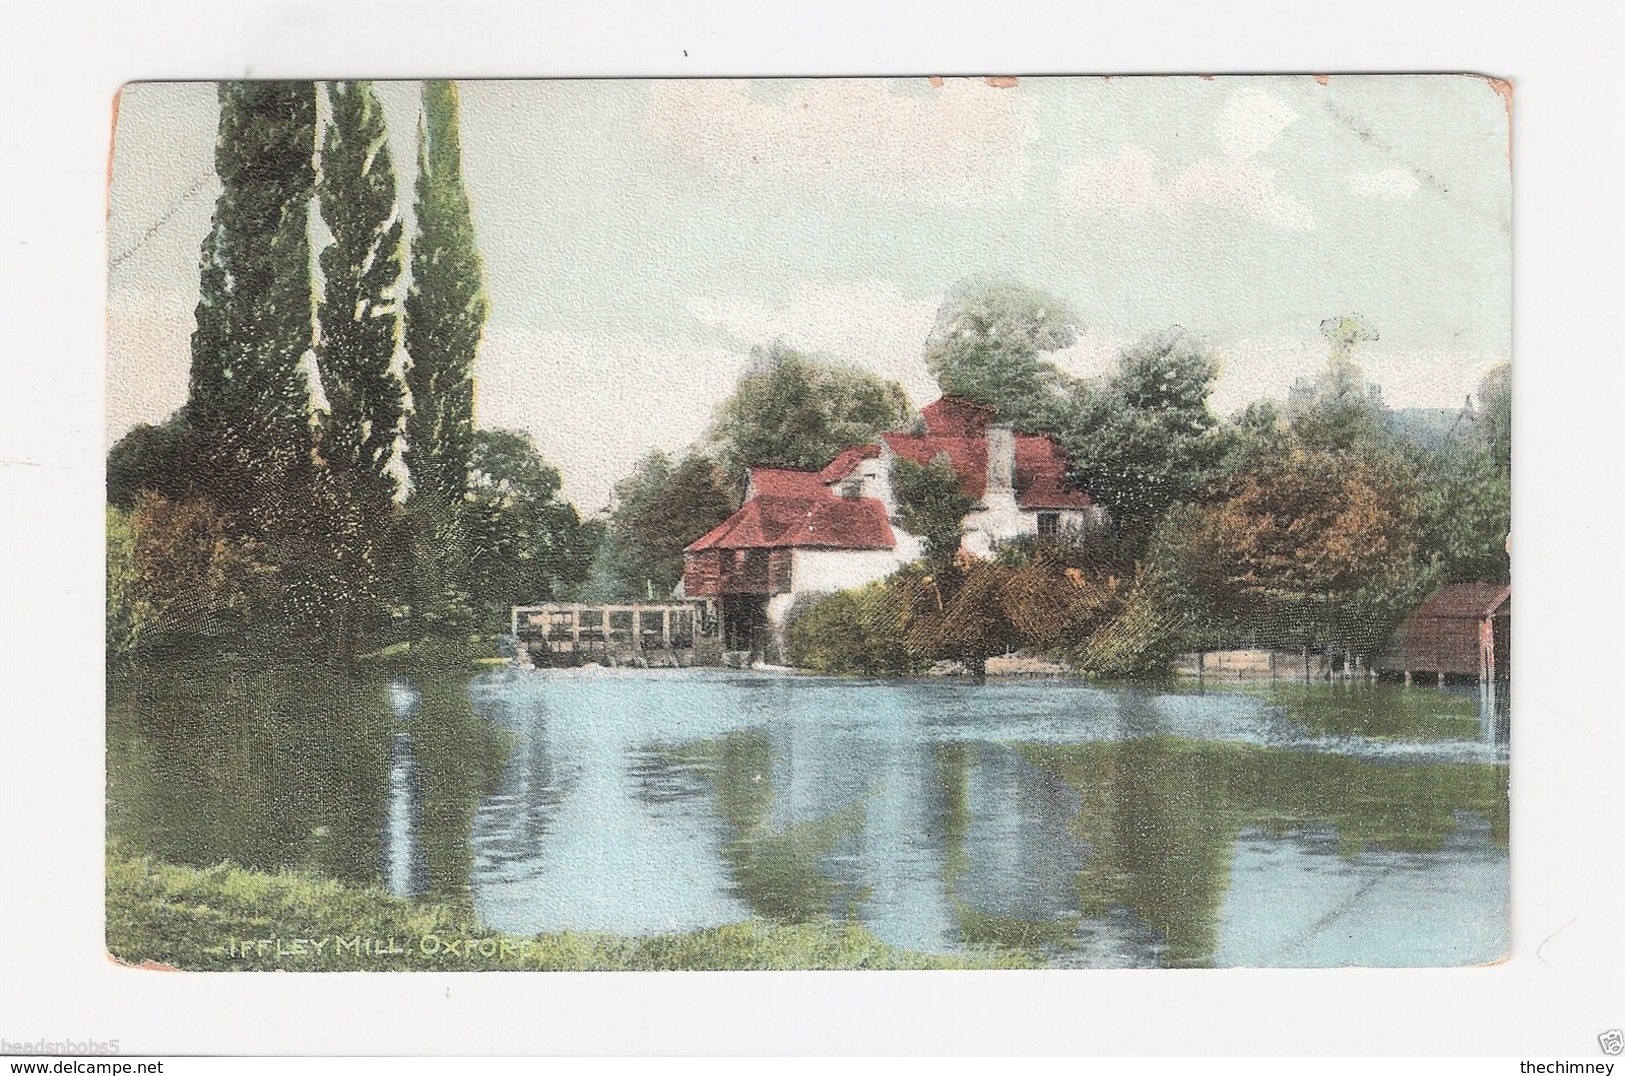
(798, 524)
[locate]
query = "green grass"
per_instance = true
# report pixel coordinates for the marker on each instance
(225, 918)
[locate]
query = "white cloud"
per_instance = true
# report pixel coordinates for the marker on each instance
(1094, 354)
(1396, 183)
(596, 404)
(1134, 183)
(962, 142)
(1250, 122)
(149, 354)
(870, 325)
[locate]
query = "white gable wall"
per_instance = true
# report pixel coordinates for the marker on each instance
(988, 526)
(824, 571)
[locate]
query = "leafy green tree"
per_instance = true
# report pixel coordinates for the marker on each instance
(988, 345)
(955, 610)
(793, 411)
(851, 632)
(429, 549)
(1466, 514)
(1495, 416)
(1253, 435)
(123, 625)
(358, 314)
(662, 507)
(931, 504)
(1310, 537)
(155, 458)
(1146, 440)
(183, 575)
(1052, 604)
(249, 402)
(328, 593)
(1343, 415)
(525, 543)
(253, 486)
(446, 308)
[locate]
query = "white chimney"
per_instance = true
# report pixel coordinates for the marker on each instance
(1001, 466)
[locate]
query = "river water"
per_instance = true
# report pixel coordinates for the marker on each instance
(1302, 825)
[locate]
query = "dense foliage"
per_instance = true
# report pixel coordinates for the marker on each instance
(446, 307)
(1144, 440)
(852, 632)
(793, 411)
(660, 508)
(248, 521)
(989, 343)
(1316, 525)
(931, 504)
(358, 315)
(525, 543)
(249, 399)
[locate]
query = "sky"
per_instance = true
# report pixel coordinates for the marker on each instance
(641, 237)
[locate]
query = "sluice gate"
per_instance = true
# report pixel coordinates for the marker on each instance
(644, 634)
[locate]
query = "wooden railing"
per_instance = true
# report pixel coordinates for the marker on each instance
(635, 626)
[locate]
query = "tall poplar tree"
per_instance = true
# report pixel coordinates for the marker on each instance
(359, 315)
(445, 316)
(249, 404)
(446, 308)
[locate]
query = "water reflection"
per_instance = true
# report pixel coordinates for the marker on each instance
(345, 773)
(209, 764)
(1106, 827)
(1294, 901)
(403, 859)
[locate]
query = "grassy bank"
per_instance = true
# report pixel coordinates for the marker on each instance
(225, 918)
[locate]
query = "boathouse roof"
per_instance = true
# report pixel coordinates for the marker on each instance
(1446, 635)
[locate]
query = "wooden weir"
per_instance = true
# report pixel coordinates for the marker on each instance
(658, 634)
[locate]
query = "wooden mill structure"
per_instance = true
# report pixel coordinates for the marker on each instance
(667, 634)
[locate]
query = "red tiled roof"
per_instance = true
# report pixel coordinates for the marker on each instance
(776, 482)
(967, 455)
(844, 464)
(845, 523)
(797, 510)
(955, 416)
(1041, 469)
(824, 522)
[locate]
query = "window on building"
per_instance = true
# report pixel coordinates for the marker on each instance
(1049, 524)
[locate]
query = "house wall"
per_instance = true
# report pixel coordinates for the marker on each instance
(702, 574)
(714, 572)
(876, 477)
(988, 526)
(824, 571)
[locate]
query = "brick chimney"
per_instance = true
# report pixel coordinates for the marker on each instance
(1001, 466)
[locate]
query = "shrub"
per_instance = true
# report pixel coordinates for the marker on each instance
(852, 632)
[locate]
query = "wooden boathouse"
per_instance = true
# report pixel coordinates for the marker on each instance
(1462, 632)
(668, 634)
